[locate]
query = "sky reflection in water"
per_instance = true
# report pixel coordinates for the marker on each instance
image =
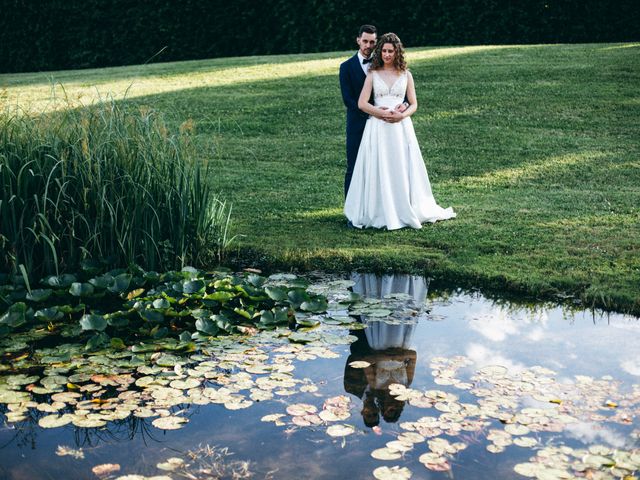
(485, 332)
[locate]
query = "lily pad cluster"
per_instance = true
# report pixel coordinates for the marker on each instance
(123, 308)
(598, 461)
(69, 383)
(526, 404)
(91, 390)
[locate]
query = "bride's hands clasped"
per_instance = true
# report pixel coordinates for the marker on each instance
(389, 116)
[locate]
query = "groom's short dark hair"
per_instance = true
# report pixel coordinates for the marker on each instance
(367, 29)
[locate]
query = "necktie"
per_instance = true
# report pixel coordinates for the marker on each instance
(365, 61)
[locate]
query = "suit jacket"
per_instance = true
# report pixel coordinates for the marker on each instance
(352, 79)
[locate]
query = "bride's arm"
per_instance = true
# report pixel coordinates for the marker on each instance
(363, 101)
(411, 96)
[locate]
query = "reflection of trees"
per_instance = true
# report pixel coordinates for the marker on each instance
(25, 432)
(519, 302)
(128, 429)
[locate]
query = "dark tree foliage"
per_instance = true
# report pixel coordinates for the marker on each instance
(62, 34)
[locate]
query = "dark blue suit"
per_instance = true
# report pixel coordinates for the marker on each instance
(351, 82)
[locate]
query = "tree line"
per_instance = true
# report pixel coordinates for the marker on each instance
(40, 35)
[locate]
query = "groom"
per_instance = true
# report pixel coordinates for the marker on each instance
(352, 75)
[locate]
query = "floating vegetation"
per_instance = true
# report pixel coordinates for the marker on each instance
(151, 375)
(597, 461)
(63, 451)
(147, 311)
(392, 473)
(161, 381)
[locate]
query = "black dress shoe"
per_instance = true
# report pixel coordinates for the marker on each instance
(350, 225)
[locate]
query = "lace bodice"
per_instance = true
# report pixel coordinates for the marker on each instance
(385, 96)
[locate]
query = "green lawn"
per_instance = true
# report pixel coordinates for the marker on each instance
(536, 147)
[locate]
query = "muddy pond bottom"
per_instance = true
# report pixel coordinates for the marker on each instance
(405, 383)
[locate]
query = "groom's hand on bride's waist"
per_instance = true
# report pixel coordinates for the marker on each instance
(401, 107)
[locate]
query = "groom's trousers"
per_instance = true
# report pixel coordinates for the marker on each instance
(355, 127)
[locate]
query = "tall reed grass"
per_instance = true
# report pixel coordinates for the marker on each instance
(107, 182)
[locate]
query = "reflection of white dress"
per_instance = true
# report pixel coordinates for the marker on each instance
(390, 186)
(378, 286)
(381, 335)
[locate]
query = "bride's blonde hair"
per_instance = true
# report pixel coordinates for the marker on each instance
(398, 61)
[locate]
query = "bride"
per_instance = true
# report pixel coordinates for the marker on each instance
(390, 186)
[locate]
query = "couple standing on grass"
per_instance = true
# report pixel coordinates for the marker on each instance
(386, 184)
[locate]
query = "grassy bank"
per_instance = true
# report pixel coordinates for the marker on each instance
(536, 147)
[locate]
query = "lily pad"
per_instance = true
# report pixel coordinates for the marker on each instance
(316, 305)
(515, 429)
(39, 295)
(207, 326)
(193, 286)
(392, 473)
(60, 281)
(171, 464)
(78, 289)
(120, 283)
(386, 454)
(15, 316)
(169, 423)
(93, 322)
(301, 409)
(55, 421)
(22, 379)
(278, 294)
(51, 314)
(161, 303)
(340, 430)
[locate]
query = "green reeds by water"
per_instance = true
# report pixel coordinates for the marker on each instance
(108, 182)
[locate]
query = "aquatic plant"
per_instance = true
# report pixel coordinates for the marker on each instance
(107, 183)
(148, 311)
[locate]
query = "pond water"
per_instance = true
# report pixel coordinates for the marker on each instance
(410, 384)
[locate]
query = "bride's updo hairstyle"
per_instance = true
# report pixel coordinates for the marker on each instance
(376, 57)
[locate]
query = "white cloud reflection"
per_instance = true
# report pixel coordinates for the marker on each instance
(497, 323)
(494, 324)
(632, 367)
(590, 433)
(536, 334)
(482, 356)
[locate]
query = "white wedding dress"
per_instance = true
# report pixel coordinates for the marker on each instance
(390, 186)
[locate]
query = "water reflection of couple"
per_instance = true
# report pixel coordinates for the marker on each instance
(386, 347)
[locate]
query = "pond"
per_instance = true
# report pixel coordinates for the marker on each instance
(406, 384)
